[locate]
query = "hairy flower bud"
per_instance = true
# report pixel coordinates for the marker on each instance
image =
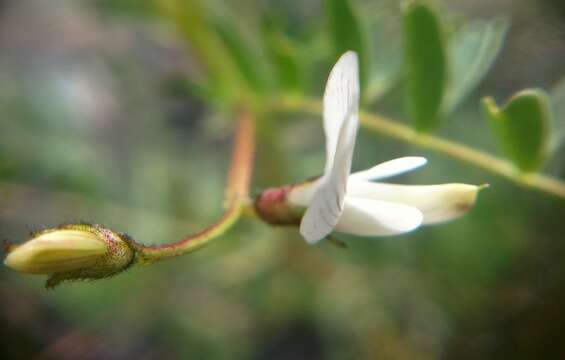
(72, 252)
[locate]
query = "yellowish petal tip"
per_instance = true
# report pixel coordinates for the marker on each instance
(72, 252)
(467, 197)
(6, 261)
(55, 251)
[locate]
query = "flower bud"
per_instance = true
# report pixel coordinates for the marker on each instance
(72, 252)
(272, 207)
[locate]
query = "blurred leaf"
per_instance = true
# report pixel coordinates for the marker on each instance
(387, 59)
(557, 96)
(347, 34)
(472, 52)
(426, 65)
(383, 79)
(190, 20)
(557, 140)
(521, 127)
(248, 62)
(284, 56)
(184, 86)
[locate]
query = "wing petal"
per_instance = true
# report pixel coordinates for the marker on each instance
(341, 98)
(341, 122)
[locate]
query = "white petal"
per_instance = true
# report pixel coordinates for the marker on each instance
(326, 207)
(341, 111)
(438, 203)
(390, 168)
(301, 195)
(341, 99)
(367, 217)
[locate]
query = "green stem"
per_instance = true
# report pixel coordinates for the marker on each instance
(395, 129)
(237, 197)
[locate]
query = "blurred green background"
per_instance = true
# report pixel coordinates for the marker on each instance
(110, 114)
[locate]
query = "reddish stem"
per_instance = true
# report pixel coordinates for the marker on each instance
(237, 194)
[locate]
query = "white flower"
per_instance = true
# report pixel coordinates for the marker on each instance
(350, 203)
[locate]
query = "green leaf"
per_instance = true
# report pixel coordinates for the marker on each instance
(185, 86)
(189, 18)
(387, 57)
(557, 140)
(558, 105)
(284, 56)
(472, 52)
(251, 69)
(426, 65)
(347, 34)
(522, 127)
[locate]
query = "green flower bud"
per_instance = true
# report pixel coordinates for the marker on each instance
(72, 252)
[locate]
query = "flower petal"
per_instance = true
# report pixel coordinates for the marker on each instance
(438, 203)
(326, 207)
(56, 251)
(368, 217)
(341, 108)
(341, 99)
(301, 195)
(390, 168)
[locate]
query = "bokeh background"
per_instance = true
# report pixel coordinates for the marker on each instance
(101, 121)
